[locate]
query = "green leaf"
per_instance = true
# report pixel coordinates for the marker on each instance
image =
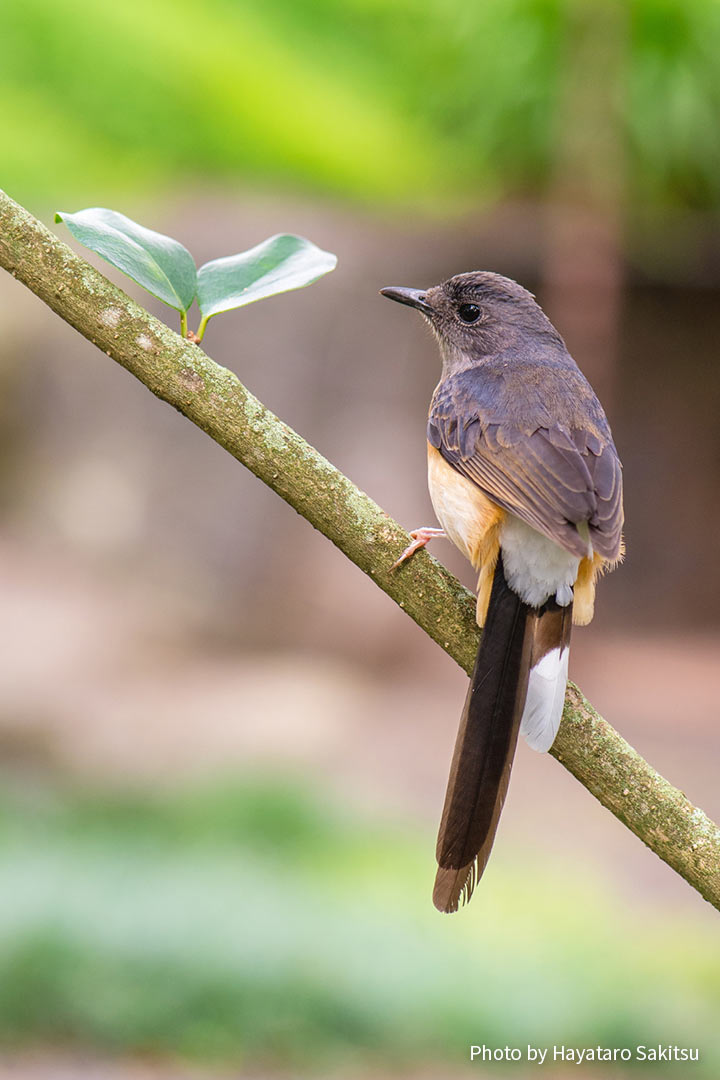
(160, 264)
(277, 265)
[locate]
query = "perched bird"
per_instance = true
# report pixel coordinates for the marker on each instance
(525, 479)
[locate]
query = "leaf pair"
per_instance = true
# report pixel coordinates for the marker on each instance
(167, 270)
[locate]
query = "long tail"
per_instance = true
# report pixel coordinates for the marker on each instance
(517, 641)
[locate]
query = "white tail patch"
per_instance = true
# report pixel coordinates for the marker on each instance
(544, 702)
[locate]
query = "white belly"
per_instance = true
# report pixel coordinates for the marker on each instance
(536, 568)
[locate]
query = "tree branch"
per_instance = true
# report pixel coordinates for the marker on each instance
(214, 399)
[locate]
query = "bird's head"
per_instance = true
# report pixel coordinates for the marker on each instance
(477, 314)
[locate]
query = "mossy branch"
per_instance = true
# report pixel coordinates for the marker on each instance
(215, 400)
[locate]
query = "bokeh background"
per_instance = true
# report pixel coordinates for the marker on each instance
(223, 751)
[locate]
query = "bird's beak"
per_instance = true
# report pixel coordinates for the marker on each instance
(412, 297)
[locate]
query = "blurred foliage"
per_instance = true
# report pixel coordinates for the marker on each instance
(419, 104)
(258, 924)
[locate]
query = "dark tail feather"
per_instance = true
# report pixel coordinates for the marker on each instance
(485, 746)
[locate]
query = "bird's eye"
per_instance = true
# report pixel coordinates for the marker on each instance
(469, 313)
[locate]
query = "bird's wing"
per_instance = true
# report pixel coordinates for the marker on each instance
(552, 477)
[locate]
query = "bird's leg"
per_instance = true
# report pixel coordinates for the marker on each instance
(420, 538)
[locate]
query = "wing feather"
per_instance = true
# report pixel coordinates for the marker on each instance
(554, 476)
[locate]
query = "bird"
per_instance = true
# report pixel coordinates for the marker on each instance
(525, 480)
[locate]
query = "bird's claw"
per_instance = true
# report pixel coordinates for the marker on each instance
(420, 538)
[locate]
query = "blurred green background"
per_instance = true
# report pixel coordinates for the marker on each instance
(401, 104)
(223, 754)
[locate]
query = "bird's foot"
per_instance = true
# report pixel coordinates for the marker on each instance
(420, 538)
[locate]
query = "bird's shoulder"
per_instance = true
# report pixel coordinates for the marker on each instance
(509, 398)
